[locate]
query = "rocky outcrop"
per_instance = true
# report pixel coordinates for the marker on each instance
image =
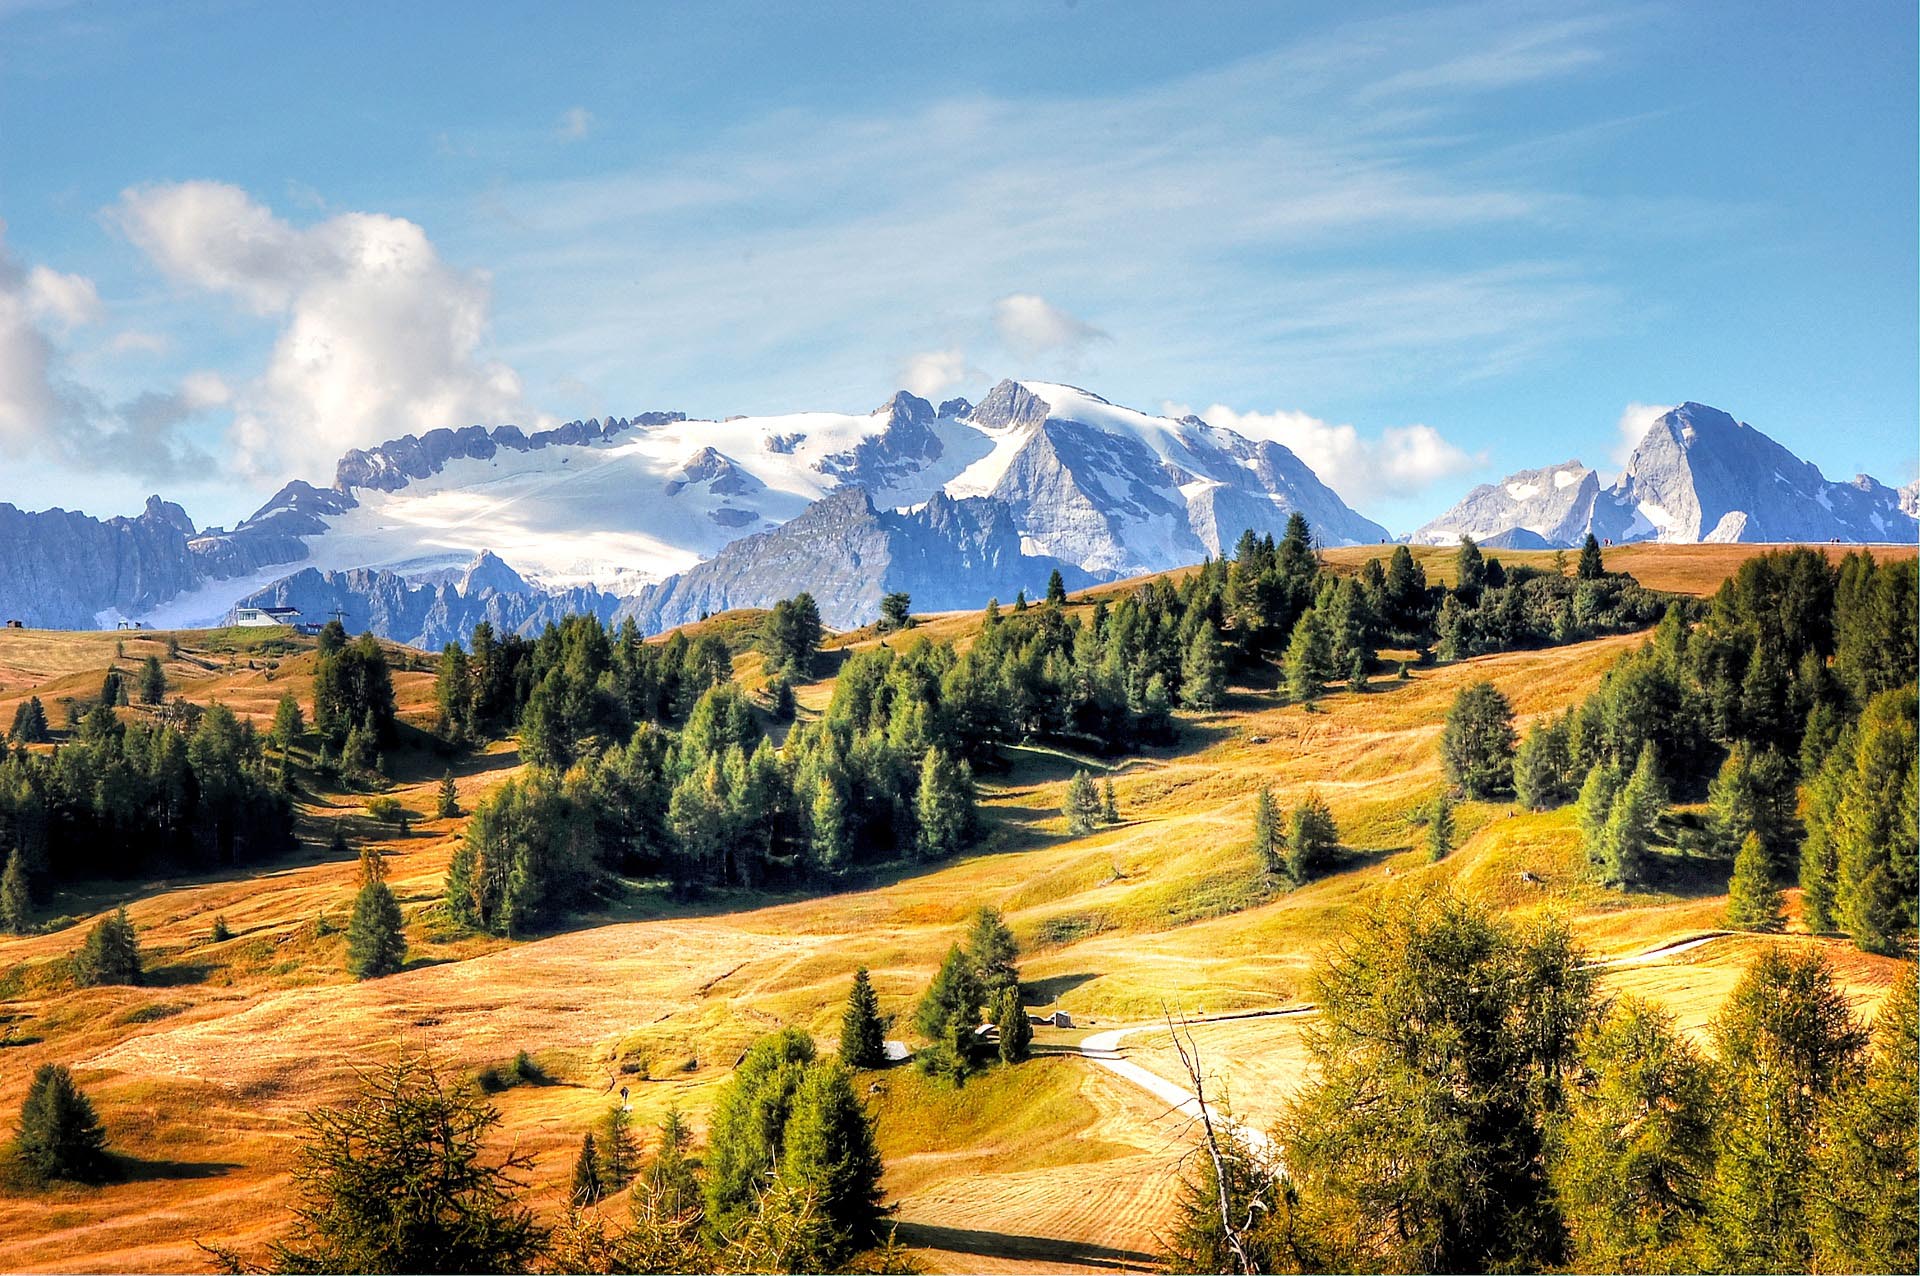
(949, 554)
(1553, 505)
(63, 569)
(430, 616)
(397, 462)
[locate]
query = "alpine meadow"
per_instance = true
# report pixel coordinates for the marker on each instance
(597, 798)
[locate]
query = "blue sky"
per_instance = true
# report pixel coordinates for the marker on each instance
(1425, 245)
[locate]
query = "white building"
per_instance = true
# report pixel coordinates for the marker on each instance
(265, 617)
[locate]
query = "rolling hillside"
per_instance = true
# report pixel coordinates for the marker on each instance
(1057, 1164)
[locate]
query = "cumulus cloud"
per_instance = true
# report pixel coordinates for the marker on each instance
(575, 123)
(378, 336)
(1635, 420)
(931, 373)
(1030, 327)
(1405, 460)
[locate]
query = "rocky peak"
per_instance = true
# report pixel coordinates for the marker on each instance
(167, 514)
(1009, 404)
(955, 407)
(906, 408)
(488, 572)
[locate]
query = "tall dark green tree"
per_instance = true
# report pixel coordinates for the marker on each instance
(1591, 566)
(1010, 1021)
(862, 1034)
(947, 1015)
(153, 681)
(1056, 588)
(1476, 745)
(1312, 838)
(830, 1154)
(1753, 901)
(1202, 669)
(992, 950)
(30, 722)
(944, 805)
(376, 938)
(60, 1137)
(1543, 767)
(746, 1136)
(1266, 830)
(586, 1189)
(1309, 660)
(1469, 571)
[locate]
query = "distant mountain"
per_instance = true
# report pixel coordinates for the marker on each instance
(632, 507)
(1697, 475)
(948, 554)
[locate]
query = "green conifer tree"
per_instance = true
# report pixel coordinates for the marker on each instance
(153, 681)
(1440, 829)
(447, 805)
(1010, 1021)
(1868, 1166)
(376, 940)
(1591, 566)
(616, 1158)
(1309, 658)
(586, 1175)
(1082, 807)
(59, 1136)
(1266, 830)
(16, 903)
(862, 1034)
(991, 949)
(1753, 901)
(1476, 744)
(1109, 804)
(111, 954)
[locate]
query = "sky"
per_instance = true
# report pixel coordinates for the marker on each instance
(1423, 246)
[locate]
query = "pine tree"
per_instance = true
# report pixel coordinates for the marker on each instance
(1266, 830)
(1312, 838)
(376, 942)
(830, 1154)
(1470, 571)
(1875, 886)
(862, 1034)
(1597, 794)
(30, 722)
(1753, 901)
(947, 1016)
(991, 949)
(1543, 766)
(1309, 658)
(1202, 669)
(1010, 1020)
(1440, 830)
(586, 1175)
(1056, 589)
(153, 681)
(1476, 744)
(1357, 672)
(944, 805)
(746, 1134)
(16, 903)
(447, 807)
(111, 954)
(615, 1157)
(670, 1180)
(1109, 804)
(1591, 567)
(60, 1137)
(289, 724)
(1082, 807)
(1625, 840)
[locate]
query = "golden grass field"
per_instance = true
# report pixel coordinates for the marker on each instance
(1055, 1165)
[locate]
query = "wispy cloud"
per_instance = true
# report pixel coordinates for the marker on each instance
(575, 123)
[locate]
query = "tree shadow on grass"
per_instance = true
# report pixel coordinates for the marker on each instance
(1047, 1249)
(176, 974)
(133, 1169)
(1044, 992)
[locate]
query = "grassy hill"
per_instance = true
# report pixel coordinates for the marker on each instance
(202, 1076)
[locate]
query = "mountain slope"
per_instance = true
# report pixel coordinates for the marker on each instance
(1554, 504)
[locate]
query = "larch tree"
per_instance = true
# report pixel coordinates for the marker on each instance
(992, 950)
(1753, 901)
(1476, 744)
(1440, 829)
(1868, 1164)
(60, 1137)
(16, 901)
(1082, 805)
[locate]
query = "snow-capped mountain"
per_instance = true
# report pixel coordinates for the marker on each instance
(1553, 505)
(1698, 475)
(619, 505)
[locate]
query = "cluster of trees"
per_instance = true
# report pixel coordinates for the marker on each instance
(399, 1179)
(1294, 847)
(353, 708)
(575, 690)
(976, 978)
(1479, 1107)
(122, 798)
(1800, 673)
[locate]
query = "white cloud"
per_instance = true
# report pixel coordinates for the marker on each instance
(1405, 460)
(379, 337)
(43, 412)
(67, 300)
(1030, 327)
(575, 123)
(1635, 420)
(931, 373)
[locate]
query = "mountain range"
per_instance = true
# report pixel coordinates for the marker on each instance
(663, 518)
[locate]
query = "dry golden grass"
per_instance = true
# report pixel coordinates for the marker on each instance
(1055, 1164)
